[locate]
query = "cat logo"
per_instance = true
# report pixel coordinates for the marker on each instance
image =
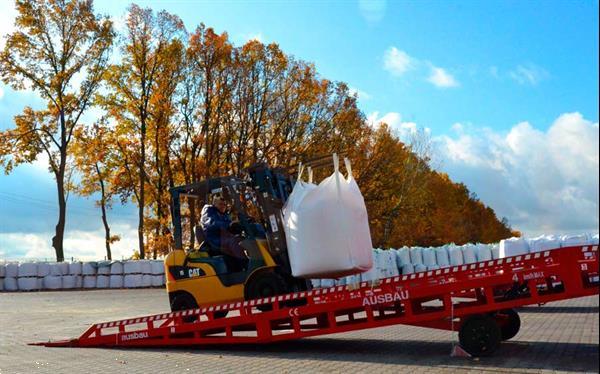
(194, 272)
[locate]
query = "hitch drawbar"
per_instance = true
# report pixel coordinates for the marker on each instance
(478, 294)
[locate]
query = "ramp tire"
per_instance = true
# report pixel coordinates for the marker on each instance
(480, 335)
(510, 325)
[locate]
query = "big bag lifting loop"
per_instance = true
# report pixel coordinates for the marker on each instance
(348, 168)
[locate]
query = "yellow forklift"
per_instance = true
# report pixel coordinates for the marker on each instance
(201, 276)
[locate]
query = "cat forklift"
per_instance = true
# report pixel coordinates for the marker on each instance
(201, 276)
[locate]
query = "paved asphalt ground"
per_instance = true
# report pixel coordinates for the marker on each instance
(560, 336)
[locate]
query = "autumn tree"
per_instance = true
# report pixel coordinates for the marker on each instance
(96, 160)
(60, 50)
(132, 90)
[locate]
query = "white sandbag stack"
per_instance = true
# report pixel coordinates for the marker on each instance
(483, 252)
(468, 252)
(495, 248)
(573, 240)
(52, 282)
(369, 275)
(27, 277)
(416, 255)
(408, 268)
(513, 247)
(455, 255)
(429, 257)
(402, 257)
(420, 267)
(594, 239)
(544, 243)
(116, 275)
(133, 274)
(2, 274)
(158, 273)
(146, 280)
(331, 215)
(441, 257)
(11, 271)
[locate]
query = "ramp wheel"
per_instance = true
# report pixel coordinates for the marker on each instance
(265, 284)
(480, 335)
(509, 322)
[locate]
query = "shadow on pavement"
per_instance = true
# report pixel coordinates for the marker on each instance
(559, 309)
(511, 355)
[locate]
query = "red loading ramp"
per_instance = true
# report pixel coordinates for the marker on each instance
(427, 299)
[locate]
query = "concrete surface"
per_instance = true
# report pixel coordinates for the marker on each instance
(561, 336)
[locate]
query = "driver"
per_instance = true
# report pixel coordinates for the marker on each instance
(217, 227)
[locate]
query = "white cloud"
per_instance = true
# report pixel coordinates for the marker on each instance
(397, 62)
(360, 94)
(372, 10)
(9, 13)
(441, 78)
(542, 181)
(528, 74)
(82, 245)
(402, 129)
(1, 92)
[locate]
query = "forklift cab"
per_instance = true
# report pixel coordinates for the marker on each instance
(198, 273)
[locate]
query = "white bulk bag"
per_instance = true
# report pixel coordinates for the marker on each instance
(55, 269)
(455, 255)
(432, 267)
(327, 283)
(513, 247)
(327, 227)
(441, 257)
(69, 282)
(158, 267)
(75, 268)
(158, 280)
(27, 269)
(132, 267)
(10, 284)
(146, 280)
(89, 281)
(573, 240)
(116, 268)
(116, 281)
(64, 268)
(27, 284)
(429, 257)
(43, 269)
(12, 270)
(103, 281)
(483, 252)
(78, 281)
(146, 266)
(543, 243)
(495, 248)
(353, 279)
(132, 281)
(416, 255)
(468, 251)
(420, 267)
(52, 282)
(2, 270)
(88, 268)
(402, 257)
(408, 268)
(316, 283)
(103, 268)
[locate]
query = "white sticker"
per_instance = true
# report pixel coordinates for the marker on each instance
(273, 223)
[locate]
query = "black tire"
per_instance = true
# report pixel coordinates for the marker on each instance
(509, 322)
(184, 301)
(220, 314)
(480, 335)
(266, 284)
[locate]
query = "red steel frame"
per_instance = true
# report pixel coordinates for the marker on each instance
(438, 299)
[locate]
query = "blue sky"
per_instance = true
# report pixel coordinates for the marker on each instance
(507, 89)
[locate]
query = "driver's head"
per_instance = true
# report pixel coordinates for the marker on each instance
(220, 204)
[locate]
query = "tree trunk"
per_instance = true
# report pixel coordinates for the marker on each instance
(57, 240)
(142, 196)
(104, 219)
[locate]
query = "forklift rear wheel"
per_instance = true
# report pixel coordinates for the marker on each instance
(480, 335)
(509, 322)
(263, 285)
(184, 301)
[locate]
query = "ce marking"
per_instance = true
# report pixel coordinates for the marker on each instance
(294, 312)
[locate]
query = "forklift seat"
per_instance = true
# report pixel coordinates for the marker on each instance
(206, 253)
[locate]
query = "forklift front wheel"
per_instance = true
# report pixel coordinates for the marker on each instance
(265, 284)
(184, 301)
